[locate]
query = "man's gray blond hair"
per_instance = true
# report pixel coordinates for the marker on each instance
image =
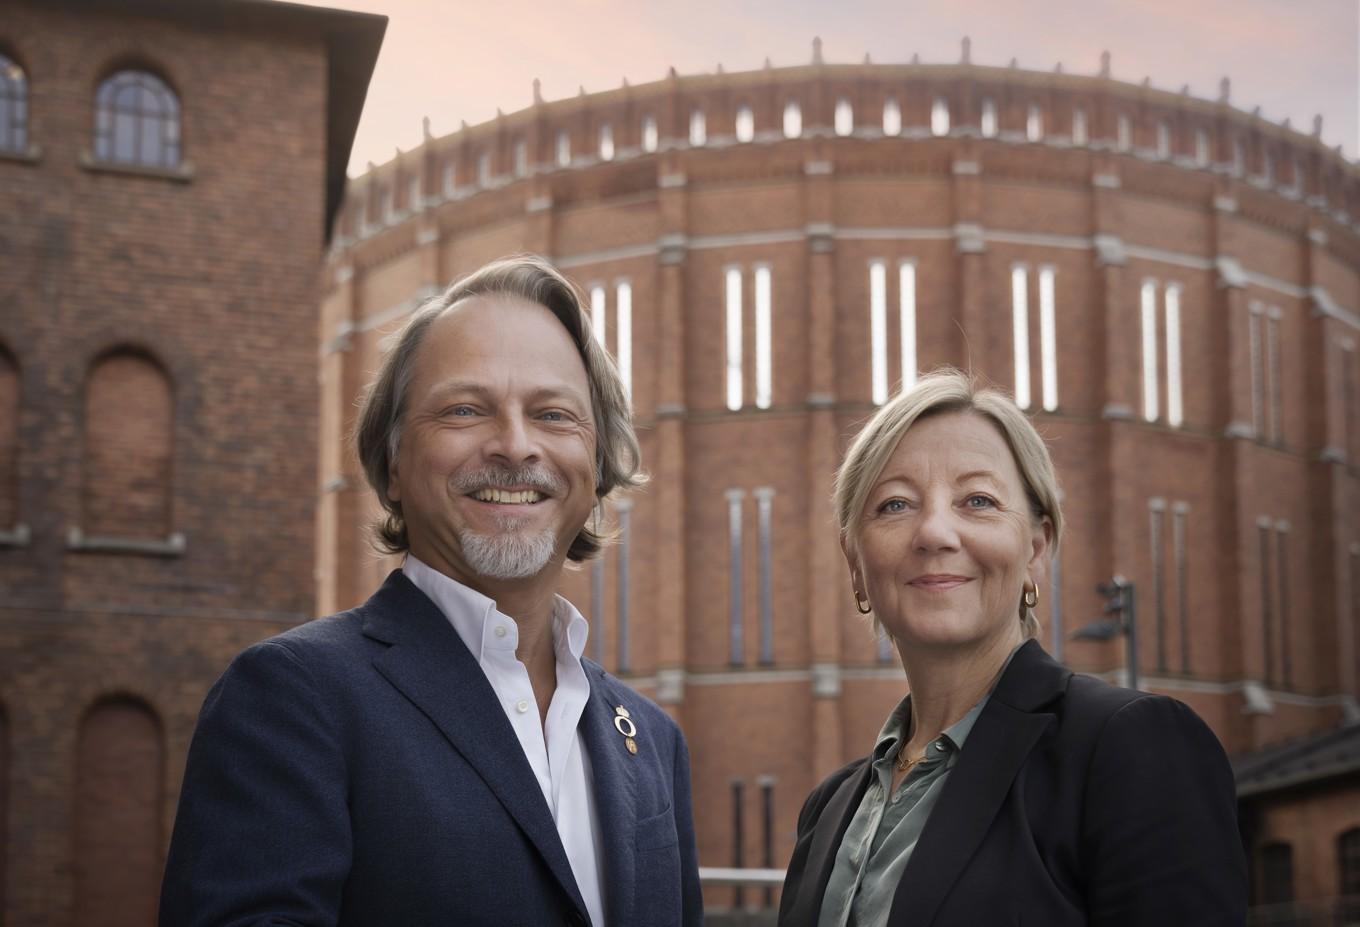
(377, 435)
(938, 392)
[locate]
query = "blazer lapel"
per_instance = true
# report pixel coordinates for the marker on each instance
(429, 664)
(614, 771)
(996, 748)
(826, 841)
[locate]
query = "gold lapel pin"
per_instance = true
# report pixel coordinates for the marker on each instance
(623, 723)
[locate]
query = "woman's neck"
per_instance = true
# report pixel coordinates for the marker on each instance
(945, 684)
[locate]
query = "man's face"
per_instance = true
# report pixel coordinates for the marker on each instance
(495, 471)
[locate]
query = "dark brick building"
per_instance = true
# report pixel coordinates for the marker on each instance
(168, 176)
(1171, 284)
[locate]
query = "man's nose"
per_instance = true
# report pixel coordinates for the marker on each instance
(513, 440)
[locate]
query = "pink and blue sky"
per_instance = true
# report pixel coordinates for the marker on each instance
(454, 60)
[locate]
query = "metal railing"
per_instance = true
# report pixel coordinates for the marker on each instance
(747, 908)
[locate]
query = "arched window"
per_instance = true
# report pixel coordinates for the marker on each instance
(127, 444)
(745, 124)
(136, 121)
(844, 117)
(118, 862)
(13, 107)
(1277, 874)
(9, 441)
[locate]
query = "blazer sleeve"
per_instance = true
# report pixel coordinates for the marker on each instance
(262, 835)
(1160, 822)
(691, 893)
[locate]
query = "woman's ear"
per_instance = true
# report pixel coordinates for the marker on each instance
(1040, 541)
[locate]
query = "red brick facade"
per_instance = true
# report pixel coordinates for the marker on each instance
(1230, 246)
(158, 429)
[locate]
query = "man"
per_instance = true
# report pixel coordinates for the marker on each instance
(442, 754)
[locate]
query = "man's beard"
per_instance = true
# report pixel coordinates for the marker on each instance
(513, 552)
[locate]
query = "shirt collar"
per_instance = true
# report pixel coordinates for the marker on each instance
(483, 628)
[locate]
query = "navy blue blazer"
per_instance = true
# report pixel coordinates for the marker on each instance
(1073, 803)
(359, 770)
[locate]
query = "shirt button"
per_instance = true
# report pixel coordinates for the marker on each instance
(522, 706)
(501, 631)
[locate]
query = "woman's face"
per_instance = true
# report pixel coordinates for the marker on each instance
(947, 538)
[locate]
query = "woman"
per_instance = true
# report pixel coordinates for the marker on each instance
(1004, 789)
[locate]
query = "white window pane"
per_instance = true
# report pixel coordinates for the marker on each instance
(1079, 133)
(764, 348)
(892, 117)
(623, 336)
(733, 301)
(606, 142)
(563, 149)
(1020, 332)
(521, 158)
(845, 117)
(1257, 373)
(698, 128)
(483, 168)
(1163, 140)
(939, 117)
(1149, 318)
(1201, 147)
(449, 175)
(649, 134)
(906, 288)
(413, 195)
(793, 119)
(1048, 336)
(878, 332)
(1174, 410)
(1034, 123)
(746, 124)
(597, 314)
(989, 124)
(1123, 133)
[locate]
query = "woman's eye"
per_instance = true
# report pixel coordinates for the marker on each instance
(893, 505)
(979, 501)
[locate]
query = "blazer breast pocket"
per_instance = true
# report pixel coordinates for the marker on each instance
(657, 832)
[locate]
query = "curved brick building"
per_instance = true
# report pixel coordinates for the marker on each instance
(1172, 286)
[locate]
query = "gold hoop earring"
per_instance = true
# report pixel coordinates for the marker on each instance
(864, 607)
(1030, 597)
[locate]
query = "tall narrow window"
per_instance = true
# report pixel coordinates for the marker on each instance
(624, 513)
(939, 117)
(13, 107)
(1020, 332)
(623, 334)
(1239, 157)
(764, 348)
(1258, 390)
(892, 118)
(128, 443)
(734, 347)
(1179, 512)
(1174, 402)
(1277, 874)
(649, 134)
(1274, 386)
(735, 597)
(1267, 167)
(793, 119)
(1048, 335)
(1080, 135)
(521, 157)
(1282, 585)
(1123, 132)
(137, 121)
(597, 610)
(1350, 406)
(906, 321)
(450, 178)
(598, 315)
(1034, 123)
(1156, 517)
(1348, 864)
(765, 587)
(738, 854)
(387, 205)
(746, 124)
(413, 196)
(698, 129)
(1149, 319)
(878, 331)
(484, 168)
(1201, 147)
(845, 117)
(988, 120)
(1267, 600)
(606, 142)
(1163, 140)
(120, 756)
(563, 148)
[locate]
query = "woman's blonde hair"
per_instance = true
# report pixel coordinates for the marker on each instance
(377, 435)
(938, 392)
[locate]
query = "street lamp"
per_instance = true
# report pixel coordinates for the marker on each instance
(1118, 595)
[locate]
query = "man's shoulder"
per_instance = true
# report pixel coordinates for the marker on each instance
(621, 694)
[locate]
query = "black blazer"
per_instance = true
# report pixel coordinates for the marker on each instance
(1073, 802)
(359, 770)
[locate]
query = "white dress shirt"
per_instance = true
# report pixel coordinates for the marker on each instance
(554, 749)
